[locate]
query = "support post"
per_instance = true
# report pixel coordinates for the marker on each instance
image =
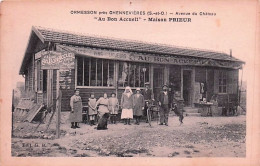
(58, 109)
(58, 106)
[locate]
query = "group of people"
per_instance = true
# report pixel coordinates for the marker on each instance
(132, 105)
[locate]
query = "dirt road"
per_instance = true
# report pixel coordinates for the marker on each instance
(197, 137)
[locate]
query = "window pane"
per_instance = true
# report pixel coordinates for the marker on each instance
(147, 79)
(137, 76)
(93, 73)
(86, 71)
(220, 75)
(220, 89)
(99, 72)
(105, 72)
(143, 74)
(111, 74)
(79, 71)
(123, 74)
(131, 75)
(224, 89)
(224, 82)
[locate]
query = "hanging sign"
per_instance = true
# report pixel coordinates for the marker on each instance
(57, 60)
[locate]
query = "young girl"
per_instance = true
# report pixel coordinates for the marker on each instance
(92, 110)
(113, 107)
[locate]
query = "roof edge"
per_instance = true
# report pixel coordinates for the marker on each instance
(40, 36)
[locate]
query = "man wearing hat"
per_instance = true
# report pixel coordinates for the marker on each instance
(164, 103)
(147, 93)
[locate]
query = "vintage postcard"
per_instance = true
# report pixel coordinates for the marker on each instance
(129, 82)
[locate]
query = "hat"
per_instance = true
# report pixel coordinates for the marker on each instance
(165, 85)
(147, 83)
(113, 93)
(138, 89)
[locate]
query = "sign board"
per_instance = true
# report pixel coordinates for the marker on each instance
(148, 58)
(57, 60)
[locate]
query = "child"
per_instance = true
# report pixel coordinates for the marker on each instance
(92, 111)
(113, 107)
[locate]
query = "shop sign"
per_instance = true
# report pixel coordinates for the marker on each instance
(57, 60)
(148, 58)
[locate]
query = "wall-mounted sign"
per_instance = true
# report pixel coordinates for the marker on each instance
(57, 60)
(148, 58)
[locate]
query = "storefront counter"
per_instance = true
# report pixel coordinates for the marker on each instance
(204, 108)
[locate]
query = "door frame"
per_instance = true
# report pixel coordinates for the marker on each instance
(192, 79)
(163, 69)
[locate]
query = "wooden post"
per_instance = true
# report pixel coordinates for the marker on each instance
(182, 82)
(13, 112)
(58, 109)
(58, 106)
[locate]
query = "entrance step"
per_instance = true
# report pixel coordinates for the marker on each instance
(192, 114)
(190, 110)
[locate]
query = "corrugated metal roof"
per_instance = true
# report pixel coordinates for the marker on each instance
(51, 35)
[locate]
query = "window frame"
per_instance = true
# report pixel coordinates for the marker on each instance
(221, 75)
(140, 70)
(89, 70)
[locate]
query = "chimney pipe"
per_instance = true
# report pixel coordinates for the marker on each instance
(230, 53)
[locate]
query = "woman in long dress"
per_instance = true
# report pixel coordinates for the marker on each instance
(102, 104)
(76, 110)
(127, 105)
(138, 105)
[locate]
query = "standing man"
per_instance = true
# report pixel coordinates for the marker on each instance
(76, 110)
(147, 93)
(164, 103)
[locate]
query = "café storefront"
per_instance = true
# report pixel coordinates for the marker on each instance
(66, 61)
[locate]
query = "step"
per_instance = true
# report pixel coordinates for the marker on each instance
(192, 114)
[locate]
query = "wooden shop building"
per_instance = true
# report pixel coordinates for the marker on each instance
(62, 60)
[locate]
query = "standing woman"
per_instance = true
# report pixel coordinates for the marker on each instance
(102, 104)
(138, 100)
(76, 110)
(113, 107)
(127, 105)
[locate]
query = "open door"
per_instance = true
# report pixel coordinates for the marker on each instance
(187, 87)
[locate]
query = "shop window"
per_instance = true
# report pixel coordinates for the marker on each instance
(95, 72)
(133, 74)
(222, 82)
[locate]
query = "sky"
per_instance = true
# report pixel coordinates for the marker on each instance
(233, 26)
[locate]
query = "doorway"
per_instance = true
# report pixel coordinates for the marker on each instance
(187, 87)
(158, 81)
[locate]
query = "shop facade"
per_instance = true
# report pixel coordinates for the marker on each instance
(56, 60)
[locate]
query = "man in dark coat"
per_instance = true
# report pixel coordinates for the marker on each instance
(164, 103)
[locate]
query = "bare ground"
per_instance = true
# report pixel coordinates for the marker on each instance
(197, 137)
